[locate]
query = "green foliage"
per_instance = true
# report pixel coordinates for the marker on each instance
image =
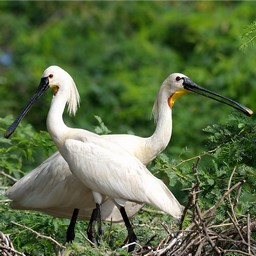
(101, 128)
(24, 148)
(26, 241)
(118, 54)
(235, 144)
(231, 147)
(236, 141)
(249, 36)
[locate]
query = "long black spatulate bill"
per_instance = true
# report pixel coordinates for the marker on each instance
(43, 86)
(191, 86)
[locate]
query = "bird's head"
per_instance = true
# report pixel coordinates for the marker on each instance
(178, 85)
(54, 77)
(174, 87)
(62, 84)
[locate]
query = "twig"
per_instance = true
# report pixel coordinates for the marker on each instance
(237, 196)
(144, 209)
(189, 203)
(147, 226)
(221, 225)
(39, 235)
(213, 245)
(189, 243)
(233, 218)
(133, 243)
(252, 226)
(165, 228)
(212, 210)
(238, 191)
(8, 176)
(199, 248)
(5, 201)
(249, 233)
(192, 196)
(234, 221)
(170, 245)
(87, 239)
(196, 238)
(161, 242)
(194, 168)
(231, 177)
(6, 248)
(237, 251)
(195, 157)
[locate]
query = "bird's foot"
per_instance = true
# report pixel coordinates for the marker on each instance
(91, 231)
(131, 241)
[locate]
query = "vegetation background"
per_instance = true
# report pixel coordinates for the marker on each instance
(119, 53)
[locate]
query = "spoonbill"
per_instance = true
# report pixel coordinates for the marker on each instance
(65, 138)
(31, 192)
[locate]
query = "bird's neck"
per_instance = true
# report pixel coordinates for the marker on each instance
(162, 135)
(55, 124)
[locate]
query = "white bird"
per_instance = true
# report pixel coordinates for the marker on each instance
(102, 174)
(32, 191)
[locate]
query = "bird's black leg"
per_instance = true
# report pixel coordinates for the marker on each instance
(131, 235)
(70, 235)
(91, 226)
(95, 218)
(99, 223)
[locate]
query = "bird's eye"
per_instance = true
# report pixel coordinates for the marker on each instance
(50, 76)
(178, 78)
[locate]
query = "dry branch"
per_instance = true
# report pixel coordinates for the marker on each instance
(40, 235)
(205, 235)
(6, 246)
(7, 176)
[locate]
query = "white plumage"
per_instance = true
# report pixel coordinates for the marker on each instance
(110, 152)
(100, 163)
(103, 164)
(32, 191)
(63, 85)
(52, 189)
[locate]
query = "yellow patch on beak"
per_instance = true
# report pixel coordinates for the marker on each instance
(176, 95)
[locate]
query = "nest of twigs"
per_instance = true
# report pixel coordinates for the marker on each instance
(6, 246)
(232, 236)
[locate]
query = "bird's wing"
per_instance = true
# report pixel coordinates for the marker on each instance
(52, 189)
(109, 170)
(51, 184)
(104, 171)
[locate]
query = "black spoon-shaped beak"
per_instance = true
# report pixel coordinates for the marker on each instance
(43, 86)
(191, 86)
